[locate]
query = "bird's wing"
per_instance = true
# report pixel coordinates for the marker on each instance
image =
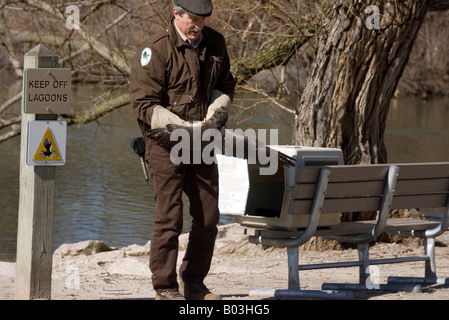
(235, 145)
(247, 147)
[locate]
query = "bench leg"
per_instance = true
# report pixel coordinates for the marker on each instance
(294, 290)
(364, 272)
(365, 276)
(430, 270)
(293, 272)
(429, 250)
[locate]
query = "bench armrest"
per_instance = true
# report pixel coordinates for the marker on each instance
(438, 230)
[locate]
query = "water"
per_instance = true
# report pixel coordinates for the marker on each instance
(101, 194)
(417, 130)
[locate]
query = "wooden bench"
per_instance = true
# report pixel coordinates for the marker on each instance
(362, 188)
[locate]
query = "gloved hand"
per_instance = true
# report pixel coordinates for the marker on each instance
(216, 121)
(218, 102)
(163, 136)
(161, 117)
(164, 122)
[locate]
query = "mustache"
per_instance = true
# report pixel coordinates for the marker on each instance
(195, 30)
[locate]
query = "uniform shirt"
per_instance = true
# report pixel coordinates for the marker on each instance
(169, 72)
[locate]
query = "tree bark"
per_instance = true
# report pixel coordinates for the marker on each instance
(439, 5)
(346, 101)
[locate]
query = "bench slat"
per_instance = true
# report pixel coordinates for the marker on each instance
(340, 190)
(343, 173)
(375, 172)
(420, 201)
(370, 203)
(370, 188)
(423, 170)
(359, 188)
(406, 187)
(346, 228)
(336, 205)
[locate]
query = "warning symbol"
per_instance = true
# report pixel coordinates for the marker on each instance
(46, 143)
(47, 150)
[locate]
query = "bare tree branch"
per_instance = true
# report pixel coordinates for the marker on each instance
(99, 111)
(275, 55)
(439, 5)
(5, 123)
(15, 131)
(10, 102)
(106, 52)
(269, 98)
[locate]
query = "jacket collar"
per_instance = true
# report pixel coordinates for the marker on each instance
(176, 38)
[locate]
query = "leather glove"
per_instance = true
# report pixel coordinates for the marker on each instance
(193, 133)
(217, 121)
(163, 136)
(161, 117)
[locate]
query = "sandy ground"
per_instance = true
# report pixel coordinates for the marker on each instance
(237, 268)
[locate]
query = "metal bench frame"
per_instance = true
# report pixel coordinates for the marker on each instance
(357, 189)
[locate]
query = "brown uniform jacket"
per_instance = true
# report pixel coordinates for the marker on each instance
(179, 77)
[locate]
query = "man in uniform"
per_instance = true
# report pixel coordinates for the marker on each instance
(182, 76)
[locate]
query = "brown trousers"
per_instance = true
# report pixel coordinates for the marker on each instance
(200, 184)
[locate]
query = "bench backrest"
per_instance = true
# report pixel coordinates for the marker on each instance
(355, 188)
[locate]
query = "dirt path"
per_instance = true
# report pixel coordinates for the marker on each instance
(237, 268)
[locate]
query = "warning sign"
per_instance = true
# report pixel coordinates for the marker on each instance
(48, 149)
(46, 143)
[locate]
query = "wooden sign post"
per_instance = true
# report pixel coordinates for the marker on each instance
(35, 221)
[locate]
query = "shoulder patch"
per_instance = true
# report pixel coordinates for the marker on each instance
(145, 56)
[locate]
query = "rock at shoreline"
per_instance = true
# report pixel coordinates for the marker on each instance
(86, 248)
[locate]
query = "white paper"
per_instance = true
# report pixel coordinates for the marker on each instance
(233, 185)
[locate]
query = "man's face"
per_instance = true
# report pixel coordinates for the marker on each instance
(188, 25)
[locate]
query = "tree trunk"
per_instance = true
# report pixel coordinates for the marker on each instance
(357, 68)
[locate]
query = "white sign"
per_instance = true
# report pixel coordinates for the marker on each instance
(47, 142)
(233, 185)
